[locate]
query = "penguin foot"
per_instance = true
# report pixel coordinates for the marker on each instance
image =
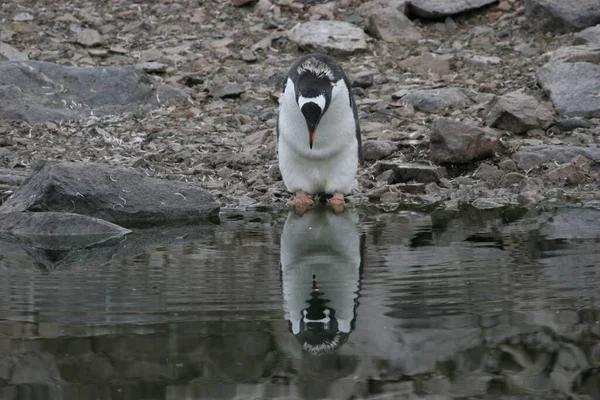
(301, 203)
(337, 202)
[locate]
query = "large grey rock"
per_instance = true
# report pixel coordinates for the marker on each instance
(331, 37)
(458, 143)
(572, 87)
(111, 193)
(435, 9)
(518, 113)
(589, 36)
(562, 15)
(9, 53)
(37, 91)
(528, 157)
(391, 25)
(434, 100)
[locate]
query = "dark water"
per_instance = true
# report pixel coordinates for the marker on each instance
(498, 305)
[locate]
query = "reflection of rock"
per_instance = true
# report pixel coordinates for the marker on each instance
(321, 264)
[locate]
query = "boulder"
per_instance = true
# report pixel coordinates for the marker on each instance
(331, 37)
(572, 87)
(458, 143)
(37, 91)
(435, 100)
(111, 193)
(562, 16)
(391, 25)
(436, 9)
(590, 36)
(517, 112)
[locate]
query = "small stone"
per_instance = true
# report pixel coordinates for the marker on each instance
(436, 9)
(504, 6)
(507, 165)
(391, 25)
(98, 53)
(152, 67)
(228, 91)
(483, 203)
(23, 17)
(590, 36)
(561, 16)
(406, 172)
(455, 142)
(517, 112)
(118, 50)
(377, 149)
(331, 37)
(428, 63)
(435, 100)
(528, 198)
(89, 38)
(581, 162)
(527, 50)
(568, 173)
(9, 53)
(512, 178)
(248, 55)
(567, 125)
(482, 61)
(488, 173)
(363, 79)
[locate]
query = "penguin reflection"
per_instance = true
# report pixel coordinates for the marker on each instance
(321, 268)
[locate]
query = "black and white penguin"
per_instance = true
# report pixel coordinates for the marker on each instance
(321, 266)
(318, 133)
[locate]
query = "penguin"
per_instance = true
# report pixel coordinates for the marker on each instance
(318, 133)
(321, 264)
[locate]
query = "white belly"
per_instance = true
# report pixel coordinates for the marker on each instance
(330, 166)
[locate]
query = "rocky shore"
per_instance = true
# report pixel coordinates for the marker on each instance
(483, 103)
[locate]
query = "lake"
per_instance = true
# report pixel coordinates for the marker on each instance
(500, 304)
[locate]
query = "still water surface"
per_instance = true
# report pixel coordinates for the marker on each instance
(477, 305)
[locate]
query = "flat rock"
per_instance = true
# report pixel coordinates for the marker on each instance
(435, 9)
(567, 173)
(428, 63)
(572, 87)
(89, 38)
(227, 91)
(528, 157)
(152, 67)
(410, 172)
(562, 15)
(369, 6)
(573, 54)
(517, 112)
(590, 36)
(37, 91)
(434, 100)
(458, 143)
(331, 37)
(59, 230)
(391, 25)
(378, 149)
(9, 53)
(111, 193)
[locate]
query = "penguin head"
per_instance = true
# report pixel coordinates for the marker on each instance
(314, 83)
(318, 329)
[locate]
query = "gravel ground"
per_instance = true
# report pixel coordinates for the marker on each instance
(231, 61)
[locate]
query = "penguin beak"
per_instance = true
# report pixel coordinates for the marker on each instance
(312, 115)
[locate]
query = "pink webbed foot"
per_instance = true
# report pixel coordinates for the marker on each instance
(301, 203)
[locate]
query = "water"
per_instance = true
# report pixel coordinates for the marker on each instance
(477, 305)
